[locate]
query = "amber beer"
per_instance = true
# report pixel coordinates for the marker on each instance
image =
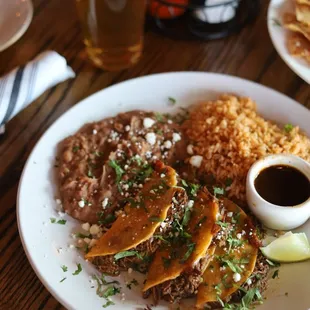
(113, 31)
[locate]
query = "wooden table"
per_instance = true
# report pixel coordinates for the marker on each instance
(249, 55)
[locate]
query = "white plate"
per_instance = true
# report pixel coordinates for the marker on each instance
(15, 18)
(279, 34)
(36, 195)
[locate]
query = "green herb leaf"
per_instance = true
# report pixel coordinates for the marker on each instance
(218, 191)
(228, 182)
(82, 236)
(64, 268)
(191, 248)
(118, 170)
(75, 149)
(90, 174)
(250, 296)
(111, 291)
(63, 279)
(79, 269)
(187, 216)
(108, 303)
(155, 219)
(53, 220)
(161, 238)
(108, 219)
(222, 224)
(61, 222)
(288, 128)
(127, 254)
(275, 274)
(159, 117)
(172, 100)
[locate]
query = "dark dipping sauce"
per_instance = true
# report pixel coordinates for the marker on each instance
(283, 185)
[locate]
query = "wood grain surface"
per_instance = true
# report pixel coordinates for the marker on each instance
(248, 54)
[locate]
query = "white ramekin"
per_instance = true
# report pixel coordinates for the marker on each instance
(271, 215)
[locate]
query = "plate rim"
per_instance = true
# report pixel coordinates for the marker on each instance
(26, 249)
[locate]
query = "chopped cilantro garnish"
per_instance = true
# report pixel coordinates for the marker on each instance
(132, 282)
(250, 296)
(79, 269)
(161, 238)
(90, 174)
(159, 117)
(108, 219)
(155, 219)
(288, 127)
(159, 132)
(218, 191)
(222, 224)
(126, 254)
(228, 182)
(187, 216)
(275, 274)
(172, 100)
(63, 279)
(61, 222)
(98, 154)
(111, 291)
(191, 188)
(118, 170)
(82, 236)
(108, 303)
(64, 268)
(75, 149)
(191, 248)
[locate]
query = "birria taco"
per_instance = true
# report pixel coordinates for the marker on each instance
(138, 230)
(178, 265)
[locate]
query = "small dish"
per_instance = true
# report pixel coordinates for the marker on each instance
(271, 215)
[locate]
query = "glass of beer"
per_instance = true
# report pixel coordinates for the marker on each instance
(113, 31)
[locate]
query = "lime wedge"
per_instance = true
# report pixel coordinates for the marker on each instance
(288, 248)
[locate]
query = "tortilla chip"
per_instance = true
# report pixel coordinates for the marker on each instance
(218, 281)
(299, 46)
(290, 22)
(201, 228)
(142, 216)
(303, 13)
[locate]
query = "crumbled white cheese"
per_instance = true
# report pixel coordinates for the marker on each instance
(127, 128)
(126, 167)
(61, 214)
(163, 224)
(87, 240)
(95, 131)
(189, 149)
(86, 226)
(148, 122)
(249, 282)
(167, 144)
(237, 277)
(190, 203)
(92, 242)
(239, 236)
(148, 154)
(71, 246)
(140, 185)
(81, 203)
(170, 121)
(196, 161)
(126, 187)
(105, 202)
(176, 137)
(162, 175)
(94, 229)
(229, 214)
(150, 138)
(58, 201)
(129, 270)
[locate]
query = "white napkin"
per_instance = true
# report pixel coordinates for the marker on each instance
(23, 85)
